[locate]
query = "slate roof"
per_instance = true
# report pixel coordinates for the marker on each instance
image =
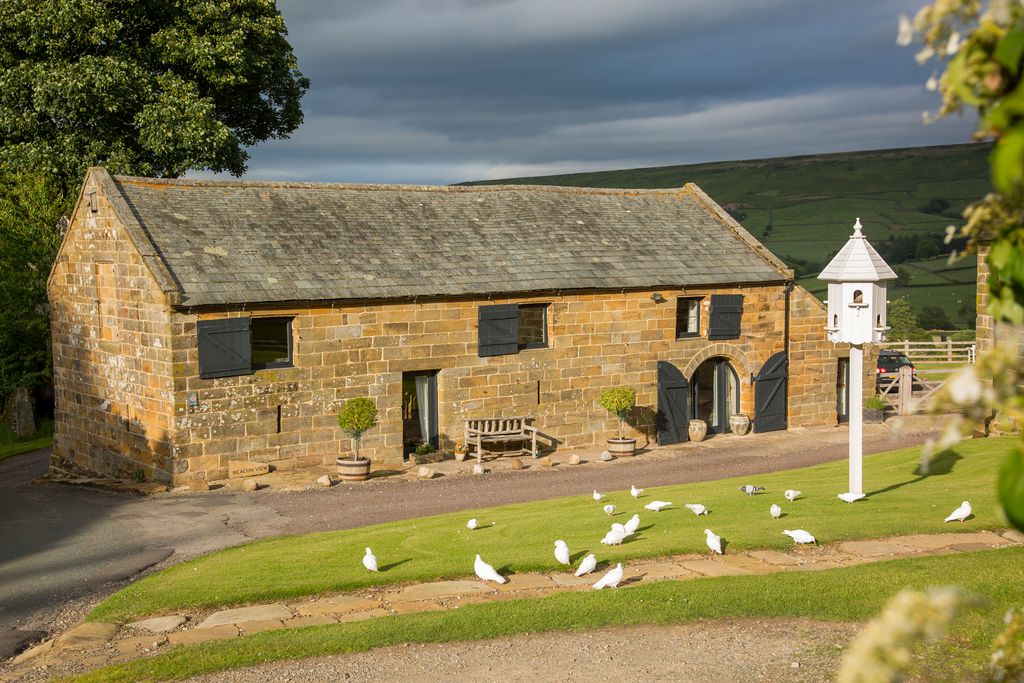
(231, 242)
(857, 261)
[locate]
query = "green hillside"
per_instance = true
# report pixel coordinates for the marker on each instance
(803, 209)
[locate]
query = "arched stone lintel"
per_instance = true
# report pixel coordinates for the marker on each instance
(744, 368)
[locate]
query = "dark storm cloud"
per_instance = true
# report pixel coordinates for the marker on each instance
(448, 90)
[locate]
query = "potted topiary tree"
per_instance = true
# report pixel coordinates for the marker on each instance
(356, 417)
(619, 401)
(874, 409)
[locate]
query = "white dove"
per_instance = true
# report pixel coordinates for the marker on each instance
(713, 540)
(791, 495)
(561, 551)
(634, 491)
(370, 560)
(775, 510)
(750, 489)
(632, 525)
(850, 497)
(697, 508)
(611, 579)
(656, 505)
(587, 565)
(486, 572)
(598, 496)
(609, 510)
(472, 524)
(800, 536)
(614, 537)
(961, 513)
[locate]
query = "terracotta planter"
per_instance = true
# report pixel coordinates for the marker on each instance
(353, 470)
(622, 447)
(697, 429)
(874, 416)
(739, 424)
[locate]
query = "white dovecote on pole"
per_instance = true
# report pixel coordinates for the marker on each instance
(856, 315)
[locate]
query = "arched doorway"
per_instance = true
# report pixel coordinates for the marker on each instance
(716, 394)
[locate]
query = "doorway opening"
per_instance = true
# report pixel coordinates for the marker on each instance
(419, 410)
(716, 394)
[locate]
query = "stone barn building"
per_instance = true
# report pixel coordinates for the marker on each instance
(199, 322)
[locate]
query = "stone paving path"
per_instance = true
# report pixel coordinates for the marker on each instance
(97, 644)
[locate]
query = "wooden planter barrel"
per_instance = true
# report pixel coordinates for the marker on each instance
(622, 448)
(353, 470)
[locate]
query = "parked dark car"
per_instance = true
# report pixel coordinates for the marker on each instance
(889, 364)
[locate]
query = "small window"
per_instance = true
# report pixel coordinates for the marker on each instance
(533, 327)
(271, 343)
(858, 296)
(687, 317)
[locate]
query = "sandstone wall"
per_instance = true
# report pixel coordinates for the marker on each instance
(111, 353)
(595, 341)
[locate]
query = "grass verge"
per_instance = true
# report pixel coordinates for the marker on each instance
(522, 536)
(848, 594)
(9, 450)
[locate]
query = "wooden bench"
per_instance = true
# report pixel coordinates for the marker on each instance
(499, 430)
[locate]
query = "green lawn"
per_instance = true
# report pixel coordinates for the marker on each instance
(522, 537)
(8, 450)
(849, 594)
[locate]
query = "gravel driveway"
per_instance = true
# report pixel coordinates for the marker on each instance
(726, 651)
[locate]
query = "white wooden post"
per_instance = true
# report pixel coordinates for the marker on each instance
(856, 419)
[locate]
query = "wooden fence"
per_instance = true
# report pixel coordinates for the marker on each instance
(934, 363)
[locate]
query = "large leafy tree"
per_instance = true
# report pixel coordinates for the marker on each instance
(30, 208)
(146, 87)
(142, 87)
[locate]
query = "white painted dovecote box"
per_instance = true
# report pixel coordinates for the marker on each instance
(857, 292)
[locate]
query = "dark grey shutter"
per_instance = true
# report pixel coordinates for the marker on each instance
(770, 389)
(673, 415)
(224, 347)
(724, 316)
(498, 330)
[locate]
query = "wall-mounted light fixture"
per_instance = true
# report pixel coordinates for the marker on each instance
(657, 298)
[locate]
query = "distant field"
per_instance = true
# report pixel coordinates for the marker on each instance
(803, 207)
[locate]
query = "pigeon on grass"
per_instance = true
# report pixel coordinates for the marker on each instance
(562, 551)
(611, 579)
(961, 513)
(370, 561)
(486, 572)
(713, 540)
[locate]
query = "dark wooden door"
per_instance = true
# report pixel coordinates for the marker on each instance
(673, 405)
(770, 388)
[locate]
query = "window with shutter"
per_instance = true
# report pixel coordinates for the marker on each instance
(687, 317)
(498, 330)
(224, 347)
(533, 326)
(724, 316)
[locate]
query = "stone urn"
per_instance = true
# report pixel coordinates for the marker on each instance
(874, 416)
(350, 469)
(622, 447)
(697, 429)
(739, 424)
